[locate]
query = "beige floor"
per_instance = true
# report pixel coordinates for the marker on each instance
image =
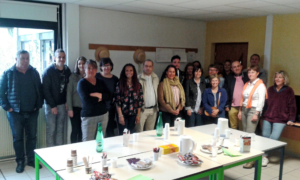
(291, 171)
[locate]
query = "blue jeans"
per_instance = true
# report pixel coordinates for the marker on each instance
(18, 123)
(276, 132)
(194, 120)
(272, 130)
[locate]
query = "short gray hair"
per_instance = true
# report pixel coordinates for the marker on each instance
(285, 77)
(57, 51)
(21, 52)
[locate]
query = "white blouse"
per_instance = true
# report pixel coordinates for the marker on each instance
(258, 98)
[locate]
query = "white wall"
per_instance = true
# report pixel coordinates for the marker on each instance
(100, 26)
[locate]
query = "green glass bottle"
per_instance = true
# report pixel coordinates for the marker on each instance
(99, 138)
(159, 126)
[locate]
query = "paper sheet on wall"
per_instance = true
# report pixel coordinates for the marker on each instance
(191, 56)
(165, 54)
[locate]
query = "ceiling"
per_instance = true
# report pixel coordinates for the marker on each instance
(204, 10)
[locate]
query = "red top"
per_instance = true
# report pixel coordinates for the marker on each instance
(281, 105)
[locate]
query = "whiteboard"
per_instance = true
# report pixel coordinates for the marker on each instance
(165, 54)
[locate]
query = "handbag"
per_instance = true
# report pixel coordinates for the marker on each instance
(213, 108)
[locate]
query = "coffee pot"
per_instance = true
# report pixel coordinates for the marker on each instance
(186, 145)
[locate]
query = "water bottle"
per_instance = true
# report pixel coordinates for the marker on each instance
(159, 126)
(99, 138)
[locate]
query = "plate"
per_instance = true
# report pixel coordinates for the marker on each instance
(182, 162)
(149, 167)
(208, 152)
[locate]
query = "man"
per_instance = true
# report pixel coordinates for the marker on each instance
(21, 96)
(149, 82)
(55, 80)
(254, 61)
(175, 60)
(212, 70)
(234, 84)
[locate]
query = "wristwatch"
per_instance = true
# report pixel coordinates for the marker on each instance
(257, 113)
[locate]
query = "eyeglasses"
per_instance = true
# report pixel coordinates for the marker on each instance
(106, 66)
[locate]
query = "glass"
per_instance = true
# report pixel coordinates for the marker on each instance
(159, 126)
(99, 138)
(38, 42)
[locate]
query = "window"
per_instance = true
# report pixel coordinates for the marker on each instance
(38, 42)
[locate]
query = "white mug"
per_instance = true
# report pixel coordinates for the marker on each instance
(186, 144)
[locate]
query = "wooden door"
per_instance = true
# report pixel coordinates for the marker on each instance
(231, 51)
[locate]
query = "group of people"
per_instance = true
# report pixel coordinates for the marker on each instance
(133, 100)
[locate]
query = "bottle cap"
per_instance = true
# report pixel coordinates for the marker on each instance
(70, 162)
(73, 152)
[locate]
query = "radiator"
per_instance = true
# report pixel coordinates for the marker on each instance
(6, 140)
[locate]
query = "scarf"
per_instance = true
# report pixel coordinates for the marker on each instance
(249, 104)
(168, 94)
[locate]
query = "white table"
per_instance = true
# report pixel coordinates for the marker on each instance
(260, 143)
(114, 145)
(166, 167)
(54, 158)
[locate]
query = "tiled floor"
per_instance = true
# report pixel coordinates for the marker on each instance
(291, 171)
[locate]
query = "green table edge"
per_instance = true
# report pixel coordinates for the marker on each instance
(37, 169)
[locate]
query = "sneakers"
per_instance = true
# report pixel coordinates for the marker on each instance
(249, 165)
(265, 161)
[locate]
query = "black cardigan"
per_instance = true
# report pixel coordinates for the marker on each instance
(91, 106)
(191, 92)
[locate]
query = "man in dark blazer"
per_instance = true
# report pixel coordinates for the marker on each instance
(175, 60)
(234, 84)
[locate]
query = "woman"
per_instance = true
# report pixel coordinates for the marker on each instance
(110, 80)
(227, 68)
(252, 103)
(214, 100)
(93, 94)
(188, 73)
(281, 109)
(220, 69)
(129, 99)
(171, 97)
(188, 70)
(193, 95)
(73, 100)
(197, 64)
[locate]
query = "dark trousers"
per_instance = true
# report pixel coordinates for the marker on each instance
(111, 125)
(18, 123)
(76, 134)
(129, 124)
(211, 120)
(194, 120)
(168, 118)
